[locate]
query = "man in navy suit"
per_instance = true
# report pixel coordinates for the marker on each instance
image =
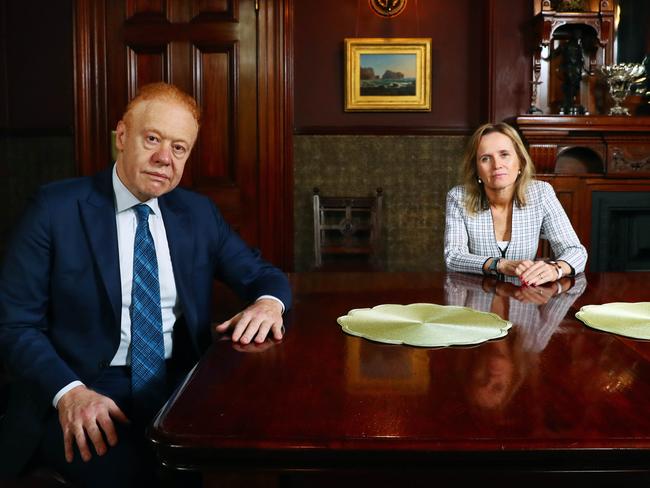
(66, 298)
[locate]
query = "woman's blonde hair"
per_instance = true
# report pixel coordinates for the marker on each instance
(475, 197)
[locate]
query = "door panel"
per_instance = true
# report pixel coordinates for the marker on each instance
(213, 57)
(214, 89)
(146, 64)
(234, 60)
(145, 7)
(225, 9)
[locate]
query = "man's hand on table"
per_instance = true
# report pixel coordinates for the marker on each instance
(255, 322)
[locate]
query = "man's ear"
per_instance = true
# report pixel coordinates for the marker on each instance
(120, 135)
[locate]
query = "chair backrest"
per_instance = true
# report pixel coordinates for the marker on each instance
(347, 231)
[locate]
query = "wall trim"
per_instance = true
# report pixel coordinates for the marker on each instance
(384, 131)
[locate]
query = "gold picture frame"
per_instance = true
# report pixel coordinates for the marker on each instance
(388, 74)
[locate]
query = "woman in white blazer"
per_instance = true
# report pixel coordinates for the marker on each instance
(494, 220)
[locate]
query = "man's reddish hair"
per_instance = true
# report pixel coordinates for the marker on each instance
(163, 91)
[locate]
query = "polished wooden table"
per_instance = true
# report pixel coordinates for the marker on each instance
(553, 399)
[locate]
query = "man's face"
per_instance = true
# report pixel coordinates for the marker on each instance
(153, 146)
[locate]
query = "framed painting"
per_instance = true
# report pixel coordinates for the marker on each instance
(388, 74)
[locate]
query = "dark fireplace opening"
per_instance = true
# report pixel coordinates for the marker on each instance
(620, 232)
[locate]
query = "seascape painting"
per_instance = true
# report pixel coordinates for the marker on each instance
(388, 74)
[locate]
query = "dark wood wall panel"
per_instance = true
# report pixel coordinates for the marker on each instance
(509, 37)
(568, 200)
(36, 66)
(224, 9)
(145, 8)
(214, 74)
(258, 203)
(4, 90)
(210, 56)
(146, 65)
(481, 63)
(320, 28)
(182, 66)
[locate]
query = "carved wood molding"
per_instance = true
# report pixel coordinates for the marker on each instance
(275, 114)
(621, 163)
(387, 8)
(91, 131)
(552, 23)
(544, 156)
(488, 100)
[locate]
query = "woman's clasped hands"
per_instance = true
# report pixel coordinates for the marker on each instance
(534, 273)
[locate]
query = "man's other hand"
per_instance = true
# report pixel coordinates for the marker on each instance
(255, 322)
(84, 414)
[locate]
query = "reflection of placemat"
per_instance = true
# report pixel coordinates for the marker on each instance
(424, 324)
(626, 319)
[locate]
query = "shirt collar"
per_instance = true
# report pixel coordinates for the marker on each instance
(125, 200)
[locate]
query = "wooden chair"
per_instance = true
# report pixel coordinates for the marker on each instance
(347, 232)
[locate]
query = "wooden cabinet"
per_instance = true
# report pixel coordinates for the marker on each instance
(591, 158)
(568, 47)
(570, 191)
(599, 165)
(607, 145)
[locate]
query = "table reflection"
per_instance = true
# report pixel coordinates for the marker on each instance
(552, 396)
(535, 312)
(494, 372)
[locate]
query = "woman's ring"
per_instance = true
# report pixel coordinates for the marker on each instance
(540, 275)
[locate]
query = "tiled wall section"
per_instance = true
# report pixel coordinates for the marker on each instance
(415, 172)
(26, 163)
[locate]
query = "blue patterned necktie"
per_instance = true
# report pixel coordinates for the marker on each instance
(148, 382)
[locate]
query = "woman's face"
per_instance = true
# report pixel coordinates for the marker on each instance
(492, 380)
(497, 162)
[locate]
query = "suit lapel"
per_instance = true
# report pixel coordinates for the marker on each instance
(98, 220)
(178, 227)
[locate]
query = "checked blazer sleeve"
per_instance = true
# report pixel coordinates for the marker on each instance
(460, 230)
(557, 229)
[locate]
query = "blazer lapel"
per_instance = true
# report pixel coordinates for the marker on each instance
(98, 220)
(178, 227)
(516, 237)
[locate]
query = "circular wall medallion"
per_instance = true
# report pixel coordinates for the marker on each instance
(387, 8)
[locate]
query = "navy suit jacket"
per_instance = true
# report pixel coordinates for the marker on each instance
(60, 292)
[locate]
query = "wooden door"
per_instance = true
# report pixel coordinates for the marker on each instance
(216, 51)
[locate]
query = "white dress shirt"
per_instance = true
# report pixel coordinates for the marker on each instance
(127, 223)
(170, 310)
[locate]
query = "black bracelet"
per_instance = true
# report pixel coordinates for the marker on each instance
(494, 266)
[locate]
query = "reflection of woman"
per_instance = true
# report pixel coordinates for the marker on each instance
(493, 373)
(535, 312)
(495, 219)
